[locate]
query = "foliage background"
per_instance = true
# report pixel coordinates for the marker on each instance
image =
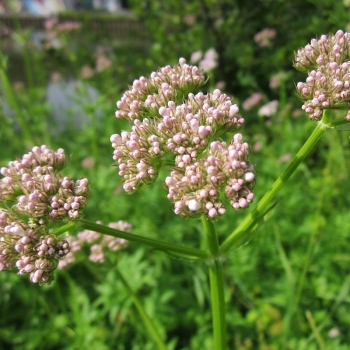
(295, 272)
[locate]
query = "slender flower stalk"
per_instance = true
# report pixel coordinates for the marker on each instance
(185, 252)
(152, 329)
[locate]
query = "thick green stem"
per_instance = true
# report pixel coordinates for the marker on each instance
(152, 329)
(185, 252)
(240, 234)
(216, 278)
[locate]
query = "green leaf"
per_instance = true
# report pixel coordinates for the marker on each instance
(343, 127)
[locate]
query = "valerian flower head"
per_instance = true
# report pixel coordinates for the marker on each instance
(37, 195)
(184, 126)
(328, 85)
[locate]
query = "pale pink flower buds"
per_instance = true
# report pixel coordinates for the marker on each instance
(195, 189)
(172, 122)
(149, 94)
(37, 188)
(36, 193)
(328, 85)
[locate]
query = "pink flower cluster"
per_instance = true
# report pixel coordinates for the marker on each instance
(252, 101)
(195, 189)
(328, 84)
(167, 84)
(206, 63)
(99, 244)
(38, 195)
(174, 121)
(268, 109)
(38, 189)
(263, 38)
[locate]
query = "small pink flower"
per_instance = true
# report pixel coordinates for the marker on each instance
(252, 101)
(56, 77)
(277, 79)
(285, 158)
(257, 147)
(334, 333)
(88, 162)
(220, 85)
(268, 109)
(209, 61)
(86, 72)
(196, 56)
(102, 62)
(297, 113)
(263, 38)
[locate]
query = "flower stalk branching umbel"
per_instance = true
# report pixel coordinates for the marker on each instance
(169, 120)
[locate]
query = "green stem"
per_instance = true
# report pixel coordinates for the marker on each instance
(239, 235)
(216, 278)
(11, 99)
(186, 252)
(315, 330)
(70, 226)
(146, 319)
(24, 43)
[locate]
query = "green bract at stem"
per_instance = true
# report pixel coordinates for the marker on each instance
(216, 278)
(152, 329)
(178, 250)
(244, 232)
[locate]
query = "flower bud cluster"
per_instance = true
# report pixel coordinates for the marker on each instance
(149, 94)
(99, 244)
(28, 247)
(328, 84)
(195, 189)
(37, 188)
(183, 127)
(39, 194)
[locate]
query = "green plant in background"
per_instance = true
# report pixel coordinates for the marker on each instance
(174, 126)
(244, 37)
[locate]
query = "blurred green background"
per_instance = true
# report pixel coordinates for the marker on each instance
(289, 287)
